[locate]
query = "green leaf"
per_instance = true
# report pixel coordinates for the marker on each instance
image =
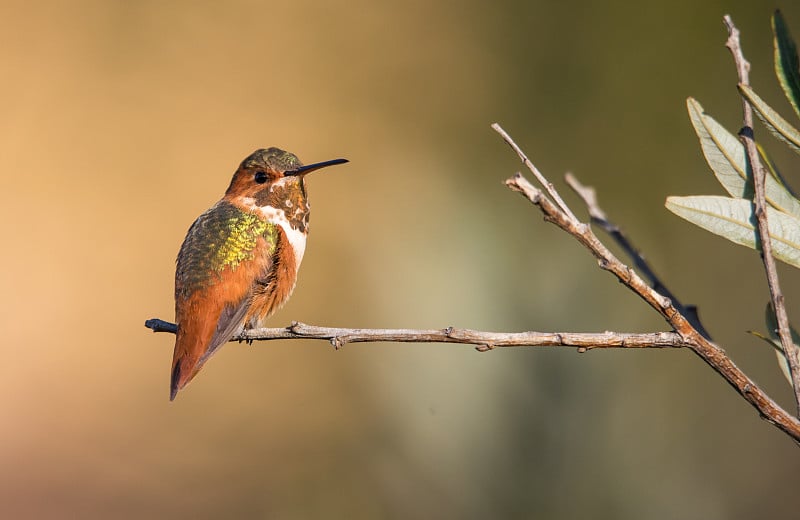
(776, 345)
(776, 124)
(773, 170)
(724, 153)
(774, 338)
(787, 64)
(734, 220)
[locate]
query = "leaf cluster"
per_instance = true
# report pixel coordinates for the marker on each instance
(733, 216)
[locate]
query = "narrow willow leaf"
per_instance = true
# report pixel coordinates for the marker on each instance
(776, 345)
(784, 364)
(766, 339)
(776, 124)
(724, 153)
(774, 338)
(773, 170)
(787, 64)
(734, 220)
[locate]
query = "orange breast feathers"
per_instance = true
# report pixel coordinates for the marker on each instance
(240, 297)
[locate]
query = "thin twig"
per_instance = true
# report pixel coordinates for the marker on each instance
(712, 354)
(599, 217)
(760, 209)
(482, 340)
(547, 185)
(605, 258)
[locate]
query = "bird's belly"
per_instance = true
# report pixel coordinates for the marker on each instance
(274, 290)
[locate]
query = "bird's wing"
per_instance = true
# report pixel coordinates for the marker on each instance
(224, 252)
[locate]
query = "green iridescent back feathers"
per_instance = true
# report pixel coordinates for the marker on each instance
(222, 237)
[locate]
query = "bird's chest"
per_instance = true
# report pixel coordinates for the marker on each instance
(291, 240)
(287, 207)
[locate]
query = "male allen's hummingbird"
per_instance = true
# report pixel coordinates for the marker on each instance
(238, 263)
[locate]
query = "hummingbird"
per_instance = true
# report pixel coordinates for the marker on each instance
(238, 263)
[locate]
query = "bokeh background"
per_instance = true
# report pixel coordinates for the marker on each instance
(121, 121)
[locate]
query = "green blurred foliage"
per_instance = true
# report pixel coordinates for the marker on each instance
(122, 121)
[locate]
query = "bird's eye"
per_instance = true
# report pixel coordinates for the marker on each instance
(261, 177)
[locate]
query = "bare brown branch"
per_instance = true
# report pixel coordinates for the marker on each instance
(712, 354)
(548, 186)
(760, 209)
(599, 217)
(605, 258)
(482, 340)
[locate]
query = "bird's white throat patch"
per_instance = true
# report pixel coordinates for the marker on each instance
(278, 216)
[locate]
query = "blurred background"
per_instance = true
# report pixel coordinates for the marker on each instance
(122, 121)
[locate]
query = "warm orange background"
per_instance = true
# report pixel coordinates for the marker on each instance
(121, 121)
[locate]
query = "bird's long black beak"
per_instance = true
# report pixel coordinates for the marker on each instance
(302, 170)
